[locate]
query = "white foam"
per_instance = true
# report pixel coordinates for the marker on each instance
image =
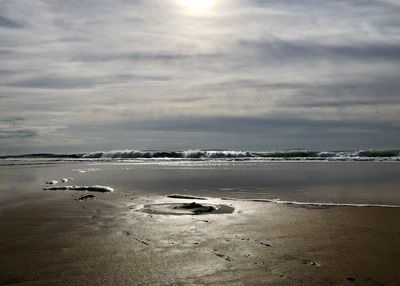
(88, 170)
(216, 154)
(324, 204)
(52, 182)
(96, 188)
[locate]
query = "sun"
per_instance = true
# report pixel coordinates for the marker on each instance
(197, 6)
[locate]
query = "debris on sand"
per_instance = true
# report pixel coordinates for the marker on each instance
(226, 257)
(100, 189)
(312, 263)
(265, 244)
(64, 180)
(186, 209)
(196, 208)
(178, 196)
(51, 182)
(86, 197)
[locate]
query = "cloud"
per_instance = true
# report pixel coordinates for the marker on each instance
(284, 50)
(179, 133)
(394, 2)
(8, 23)
(248, 125)
(256, 73)
(80, 82)
(17, 134)
(137, 56)
(372, 92)
(54, 82)
(13, 119)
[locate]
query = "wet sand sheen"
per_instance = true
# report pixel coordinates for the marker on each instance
(58, 240)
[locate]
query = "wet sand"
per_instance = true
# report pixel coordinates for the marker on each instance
(53, 238)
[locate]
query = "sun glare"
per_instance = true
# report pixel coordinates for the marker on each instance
(197, 6)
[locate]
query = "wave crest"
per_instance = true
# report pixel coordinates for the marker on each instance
(290, 155)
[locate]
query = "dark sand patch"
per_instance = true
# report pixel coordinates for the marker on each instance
(186, 209)
(196, 208)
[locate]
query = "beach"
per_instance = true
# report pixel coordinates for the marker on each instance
(199, 142)
(93, 224)
(59, 240)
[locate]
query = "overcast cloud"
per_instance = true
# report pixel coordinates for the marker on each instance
(243, 74)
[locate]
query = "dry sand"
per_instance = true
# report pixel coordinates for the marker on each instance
(56, 239)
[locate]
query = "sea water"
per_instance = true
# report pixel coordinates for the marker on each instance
(355, 183)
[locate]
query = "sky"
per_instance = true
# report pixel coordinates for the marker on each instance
(86, 75)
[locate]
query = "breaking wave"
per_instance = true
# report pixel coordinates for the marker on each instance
(190, 154)
(291, 155)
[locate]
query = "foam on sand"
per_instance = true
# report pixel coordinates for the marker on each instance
(319, 204)
(64, 180)
(87, 170)
(99, 189)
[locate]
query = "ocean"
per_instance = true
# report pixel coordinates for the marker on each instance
(293, 177)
